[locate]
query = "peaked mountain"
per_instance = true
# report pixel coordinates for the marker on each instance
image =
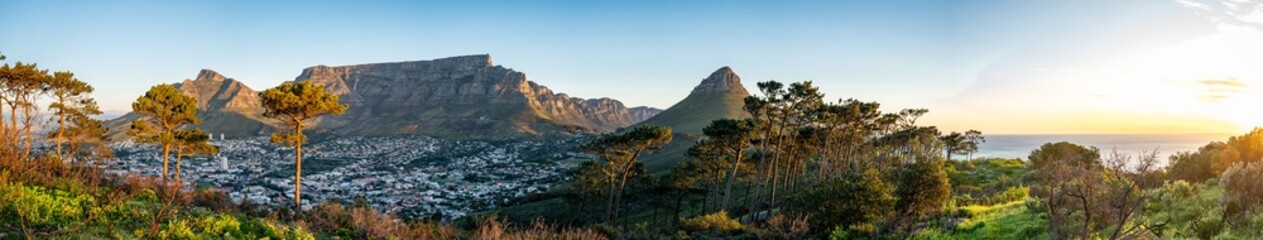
(464, 97)
(226, 106)
(719, 96)
(459, 97)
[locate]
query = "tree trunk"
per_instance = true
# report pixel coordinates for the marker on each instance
(298, 167)
(166, 153)
(26, 113)
(179, 154)
(61, 124)
(736, 163)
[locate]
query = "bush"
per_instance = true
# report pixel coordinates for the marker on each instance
(1009, 195)
(923, 189)
(853, 199)
(1196, 166)
(1064, 151)
(715, 222)
(222, 225)
(35, 207)
(1243, 188)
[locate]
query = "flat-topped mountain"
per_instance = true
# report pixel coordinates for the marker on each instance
(458, 97)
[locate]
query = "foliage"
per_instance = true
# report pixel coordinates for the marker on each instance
(36, 207)
(617, 164)
(1087, 199)
(1196, 166)
(853, 199)
(986, 181)
(293, 105)
(922, 189)
(1243, 189)
(961, 143)
(715, 222)
(1009, 220)
(163, 110)
(1064, 151)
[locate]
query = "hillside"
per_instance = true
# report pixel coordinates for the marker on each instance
(718, 96)
(226, 106)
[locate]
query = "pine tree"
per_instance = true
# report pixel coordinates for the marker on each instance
(70, 100)
(163, 110)
(293, 105)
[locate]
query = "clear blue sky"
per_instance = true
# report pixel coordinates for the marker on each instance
(954, 57)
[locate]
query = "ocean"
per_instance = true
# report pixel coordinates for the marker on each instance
(1020, 146)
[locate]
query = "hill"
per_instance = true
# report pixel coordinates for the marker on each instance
(226, 106)
(718, 96)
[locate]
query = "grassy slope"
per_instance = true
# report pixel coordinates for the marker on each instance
(686, 119)
(1011, 220)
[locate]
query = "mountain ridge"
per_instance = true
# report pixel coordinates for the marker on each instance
(456, 97)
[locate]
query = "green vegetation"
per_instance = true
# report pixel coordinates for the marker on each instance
(165, 111)
(797, 167)
(293, 105)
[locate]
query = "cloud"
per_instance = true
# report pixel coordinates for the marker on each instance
(1218, 90)
(1247, 13)
(1231, 82)
(1194, 4)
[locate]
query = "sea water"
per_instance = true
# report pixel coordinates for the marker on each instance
(1020, 146)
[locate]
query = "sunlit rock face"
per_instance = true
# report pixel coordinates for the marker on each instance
(458, 97)
(462, 97)
(227, 107)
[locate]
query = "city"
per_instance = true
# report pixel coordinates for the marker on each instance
(413, 176)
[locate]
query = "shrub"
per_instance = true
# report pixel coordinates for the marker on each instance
(714, 222)
(1064, 151)
(1196, 166)
(923, 189)
(212, 199)
(1243, 188)
(176, 229)
(37, 207)
(1009, 195)
(223, 225)
(782, 227)
(852, 199)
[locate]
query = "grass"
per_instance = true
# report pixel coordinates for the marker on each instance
(1011, 220)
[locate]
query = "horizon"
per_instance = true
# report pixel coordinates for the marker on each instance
(1065, 67)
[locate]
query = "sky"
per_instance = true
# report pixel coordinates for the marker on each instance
(1002, 67)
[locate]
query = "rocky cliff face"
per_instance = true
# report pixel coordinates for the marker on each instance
(457, 97)
(464, 96)
(642, 113)
(722, 81)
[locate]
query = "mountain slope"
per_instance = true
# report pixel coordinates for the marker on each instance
(465, 97)
(719, 96)
(226, 106)
(458, 97)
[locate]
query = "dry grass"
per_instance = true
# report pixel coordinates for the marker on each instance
(495, 229)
